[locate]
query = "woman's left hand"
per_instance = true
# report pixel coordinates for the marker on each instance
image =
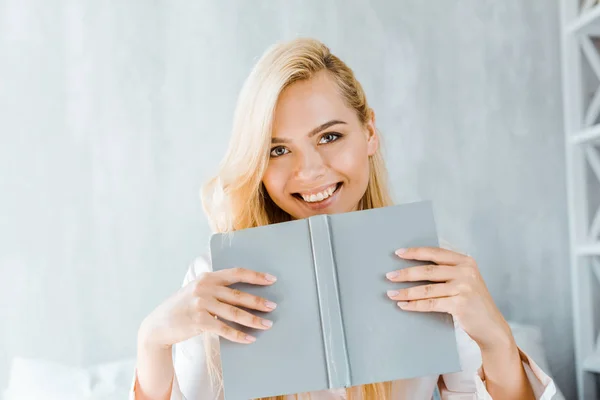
(458, 288)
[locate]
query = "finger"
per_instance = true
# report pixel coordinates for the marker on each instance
(423, 292)
(438, 304)
(238, 298)
(234, 314)
(222, 329)
(436, 254)
(235, 275)
(431, 272)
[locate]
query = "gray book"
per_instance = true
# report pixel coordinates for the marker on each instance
(334, 325)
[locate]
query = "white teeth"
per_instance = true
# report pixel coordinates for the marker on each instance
(312, 198)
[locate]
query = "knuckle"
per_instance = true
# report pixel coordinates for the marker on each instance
(234, 312)
(197, 303)
(240, 335)
(238, 272)
(256, 321)
(198, 285)
(202, 278)
(429, 270)
(226, 330)
(236, 293)
(401, 274)
(428, 289)
(431, 304)
(259, 302)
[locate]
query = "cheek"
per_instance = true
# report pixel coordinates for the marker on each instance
(274, 180)
(353, 163)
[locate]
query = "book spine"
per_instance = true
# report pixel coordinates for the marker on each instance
(332, 325)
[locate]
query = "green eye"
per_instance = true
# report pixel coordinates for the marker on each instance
(278, 151)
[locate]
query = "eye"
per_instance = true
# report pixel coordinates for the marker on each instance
(330, 137)
(278, 151)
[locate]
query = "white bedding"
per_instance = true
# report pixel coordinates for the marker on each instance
(45, 380)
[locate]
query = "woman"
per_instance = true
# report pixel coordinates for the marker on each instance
(304, 143)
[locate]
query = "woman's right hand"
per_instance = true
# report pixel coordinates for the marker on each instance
(200, 305)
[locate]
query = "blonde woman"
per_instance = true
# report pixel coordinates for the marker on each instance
(304, 142)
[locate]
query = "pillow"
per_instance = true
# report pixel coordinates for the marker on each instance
(42, 379)
(112, 380)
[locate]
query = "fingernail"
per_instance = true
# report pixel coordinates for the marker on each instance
(402, 303)
(250, 338)
(392, 293)
(270, 278)
(270, 304)
(266, 322)
(400, 251)
(392, 274)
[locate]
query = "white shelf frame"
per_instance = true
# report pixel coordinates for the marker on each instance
(580, 22)
(585, 136)
(585, 19)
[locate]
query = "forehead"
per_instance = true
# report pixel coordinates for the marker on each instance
(306, 104)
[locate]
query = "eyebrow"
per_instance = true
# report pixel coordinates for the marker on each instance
(313, 132)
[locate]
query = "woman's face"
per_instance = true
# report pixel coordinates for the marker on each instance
(319, 161)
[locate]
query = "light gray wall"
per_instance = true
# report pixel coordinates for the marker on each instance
(113, 114)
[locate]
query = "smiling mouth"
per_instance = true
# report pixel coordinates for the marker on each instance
(320, 196)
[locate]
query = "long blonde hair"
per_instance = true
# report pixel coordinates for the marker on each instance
(236, 199)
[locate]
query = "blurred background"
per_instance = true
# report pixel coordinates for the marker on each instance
(113, 113)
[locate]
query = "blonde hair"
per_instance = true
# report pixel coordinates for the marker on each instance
(236, 199)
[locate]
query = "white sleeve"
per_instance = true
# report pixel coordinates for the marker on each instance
(192, 379)
(471, 381)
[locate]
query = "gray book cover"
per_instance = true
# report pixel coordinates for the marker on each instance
(334, 325)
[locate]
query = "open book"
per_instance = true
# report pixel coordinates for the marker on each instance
(334, 325)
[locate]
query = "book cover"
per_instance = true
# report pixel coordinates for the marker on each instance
(334, 325)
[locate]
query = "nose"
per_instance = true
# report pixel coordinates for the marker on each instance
(310, 165)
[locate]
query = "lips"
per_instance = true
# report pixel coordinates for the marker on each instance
(318, 195)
